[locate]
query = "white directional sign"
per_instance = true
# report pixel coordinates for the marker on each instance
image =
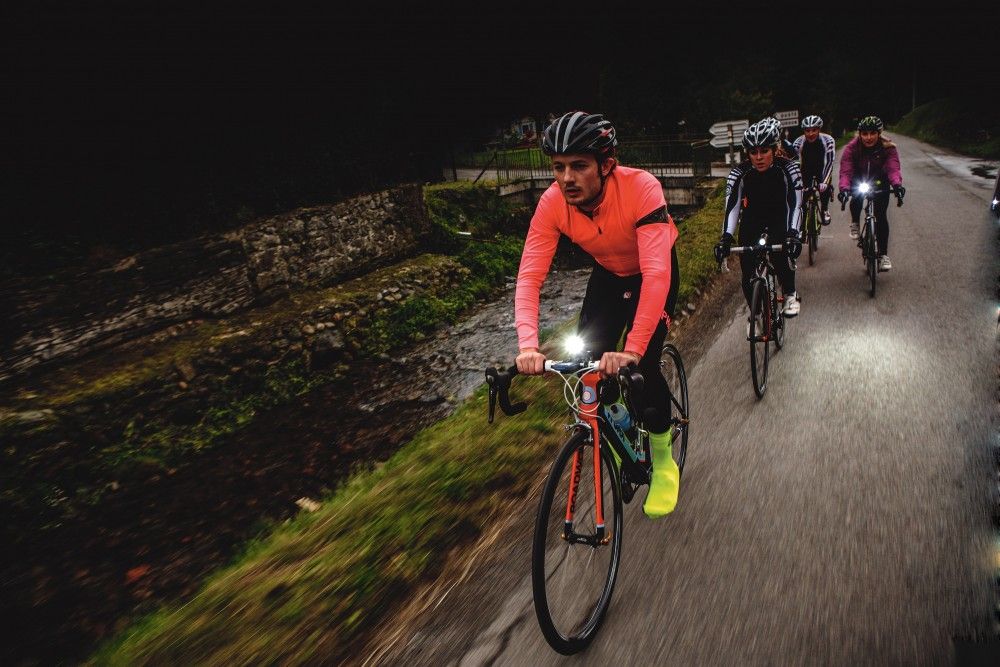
(788, 118)
(723, 142)
(727, 132)
(722, 128)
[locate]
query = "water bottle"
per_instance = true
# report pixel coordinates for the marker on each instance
(620, 416)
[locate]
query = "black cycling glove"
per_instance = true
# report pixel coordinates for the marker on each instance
(722, 247)
(793, 246)
(900, 192)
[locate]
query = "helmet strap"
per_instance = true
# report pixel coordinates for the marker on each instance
(600, 174)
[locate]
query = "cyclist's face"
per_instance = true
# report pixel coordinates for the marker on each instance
(578, 177)
(761, 158)
(868, 138)
(811, 133)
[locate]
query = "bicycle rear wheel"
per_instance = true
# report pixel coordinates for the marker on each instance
(573, 571)
(760, 336)
(673, 372)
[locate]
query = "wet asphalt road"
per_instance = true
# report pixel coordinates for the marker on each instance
(844, 518)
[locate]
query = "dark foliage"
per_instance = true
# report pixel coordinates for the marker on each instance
(132, 127)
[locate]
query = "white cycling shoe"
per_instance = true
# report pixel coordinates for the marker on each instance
(884, 264)
(855, 228)
(825, 218)
(791, 304)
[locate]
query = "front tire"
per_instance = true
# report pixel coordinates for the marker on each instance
(871, 261)
(812, 233)
(572, 582)
(760, 336)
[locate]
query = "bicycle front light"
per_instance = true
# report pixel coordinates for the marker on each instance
(864, 188)
(996, 201)
(574, 346)
(762, 241)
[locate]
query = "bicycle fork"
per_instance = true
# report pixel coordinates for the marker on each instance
(589, 415)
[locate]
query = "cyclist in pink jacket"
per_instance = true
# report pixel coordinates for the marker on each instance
(872, 158)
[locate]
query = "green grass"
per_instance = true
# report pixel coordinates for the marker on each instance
(311, 590)
(965, 125)
(695, 245)
(307, 592)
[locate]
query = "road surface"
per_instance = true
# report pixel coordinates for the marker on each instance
(844, 518)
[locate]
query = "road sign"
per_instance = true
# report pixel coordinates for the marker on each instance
(788, 118)
(721, 129)
(723, 142)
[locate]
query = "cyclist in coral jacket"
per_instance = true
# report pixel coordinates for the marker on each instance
(619, 216)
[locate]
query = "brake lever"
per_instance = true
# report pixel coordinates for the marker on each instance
(491, 380)
(499, 383)
(631, 377)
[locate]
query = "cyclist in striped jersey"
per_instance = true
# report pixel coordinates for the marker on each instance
(764, 193)
(816, 150)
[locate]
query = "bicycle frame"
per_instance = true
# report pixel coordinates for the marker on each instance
(811, 199)
(588, 418)
(869, 228)
(597, 424)
(591, 418)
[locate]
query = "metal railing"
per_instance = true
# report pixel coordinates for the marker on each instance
(665, 158)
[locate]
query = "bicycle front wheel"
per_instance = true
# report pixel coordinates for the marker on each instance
(574, 563)
(871, 261)
(812, 234)
(760, 336)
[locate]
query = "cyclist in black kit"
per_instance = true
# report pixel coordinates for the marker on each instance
(816, 151)
(764, 193)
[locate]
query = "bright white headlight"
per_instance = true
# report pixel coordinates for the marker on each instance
(864, 188)
(762, 241)
(574, 345)
(996, 201)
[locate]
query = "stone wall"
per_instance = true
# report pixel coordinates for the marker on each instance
(207, 277)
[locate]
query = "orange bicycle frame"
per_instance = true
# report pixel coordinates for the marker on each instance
(588, 414)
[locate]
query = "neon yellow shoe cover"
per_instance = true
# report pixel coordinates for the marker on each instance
(666, 477)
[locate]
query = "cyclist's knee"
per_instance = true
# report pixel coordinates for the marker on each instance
(656, 419)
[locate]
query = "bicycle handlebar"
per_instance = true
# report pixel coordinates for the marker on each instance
(499, 382)
(740, 249)
(899, 197)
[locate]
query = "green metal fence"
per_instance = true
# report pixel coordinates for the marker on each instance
(664, 157)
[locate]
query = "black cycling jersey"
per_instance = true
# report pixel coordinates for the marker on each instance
(774, 194)
(768, 200)
(817, 158)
